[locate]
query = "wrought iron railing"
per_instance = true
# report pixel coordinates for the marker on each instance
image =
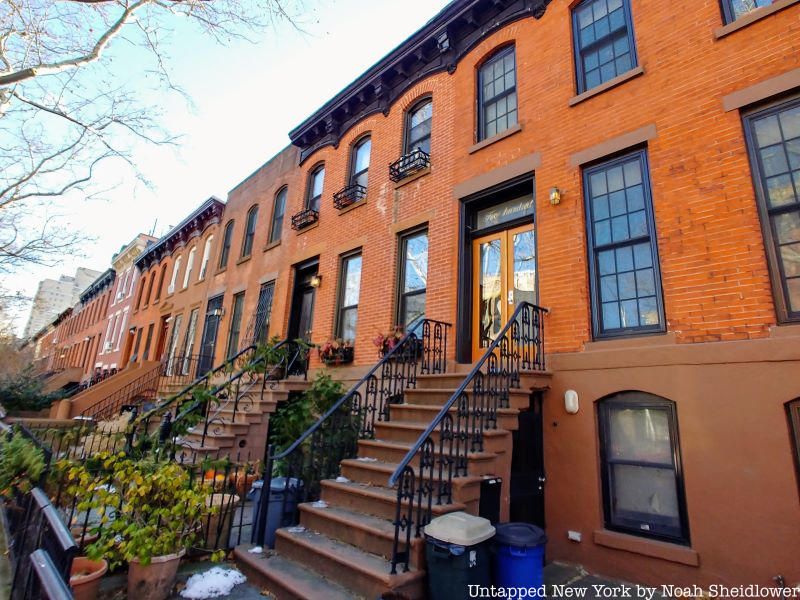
(408, 164)
(316, 454)
(138, 392)
(457, 430)
(305, 218)
(183, 369)
(349, 195)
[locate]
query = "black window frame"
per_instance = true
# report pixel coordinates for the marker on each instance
(580, 71)
(353, 179)
(225, 250)
(407, 140)
(235, 329)
(342, 287)
(778, 279)
(276, 222)
(402, 296)
(263, 314)
(729, 15)
(314, 202)
(483, 102)
(630, 524)
(793, 416)
(250, 224)
(598, 331)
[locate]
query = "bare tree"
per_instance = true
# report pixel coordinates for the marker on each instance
(65, 110)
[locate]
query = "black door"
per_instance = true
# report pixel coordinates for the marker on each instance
(527, 466)
(302, 315)
(209, 341)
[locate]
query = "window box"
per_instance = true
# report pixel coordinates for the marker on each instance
(336, 353)
(349, 195)
(408, 164)
(304, 218)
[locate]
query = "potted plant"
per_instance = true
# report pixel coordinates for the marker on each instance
(84, 577)
(336, 352)
(271, 359)
(386, 342)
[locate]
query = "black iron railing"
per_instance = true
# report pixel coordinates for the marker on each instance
(457, 430)
(138, 392)
(183, 369)
(408, 164)
(305, 218)
(316, 454)
(349, 195)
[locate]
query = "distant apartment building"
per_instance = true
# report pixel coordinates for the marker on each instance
(55, 295)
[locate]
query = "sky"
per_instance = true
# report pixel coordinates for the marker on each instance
(245, 98)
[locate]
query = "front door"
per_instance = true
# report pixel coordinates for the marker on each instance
(505, 275)
(210, 330)
(302, 315)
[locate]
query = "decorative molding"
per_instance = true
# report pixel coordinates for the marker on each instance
(105, 281)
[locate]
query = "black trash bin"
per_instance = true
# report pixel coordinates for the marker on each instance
(276, 518)
(457, 552)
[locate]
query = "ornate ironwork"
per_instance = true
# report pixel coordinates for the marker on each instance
(349, 195)
(408, 164)
(305, 218)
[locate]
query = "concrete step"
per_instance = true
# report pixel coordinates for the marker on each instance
(494, 440)
(507, 418)
(286, 579)
(480, 463)
(221, 440)
(529, 380)
(363, 573)
(517, 399)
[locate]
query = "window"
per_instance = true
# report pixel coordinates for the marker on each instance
(623, 258)
(603, 36)
(315, 182)
(418, 127)
(160, 286)
(189, 267)
(263, 312)
(188, 342)
(236, 325)
(349, 290)
(227, 236)
(278, 210)
(206, 258)
(497, 94)
(413, 276)
(733, 9)
(773, 138)
(147, 343)
(249, 231)
(140, 294)
(359, 162)
(174, 279)
(793, 412)
(642, 476)
(149, 288)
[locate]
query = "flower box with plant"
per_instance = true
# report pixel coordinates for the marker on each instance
(385, 342)
(336, 352)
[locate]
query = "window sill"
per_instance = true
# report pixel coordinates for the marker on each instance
(752, 17)
(222, 270)
(353, 206)
(417, 175)
(495, 138)
(244, 259)
(309, 228)
(611, 83)
(272, 245)
(630, 543)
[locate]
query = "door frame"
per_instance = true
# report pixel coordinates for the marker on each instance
(301, 271)
(467, 218)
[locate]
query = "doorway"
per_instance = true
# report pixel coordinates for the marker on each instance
(301, 318)
(209, 340)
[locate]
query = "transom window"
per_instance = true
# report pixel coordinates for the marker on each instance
(604, 46)
(734, 9)
(249, 231)
(626, 285)
(418, 134)
(315, 183)
(642, 476)
(774, 140)
(226, 245)
(359, 164)
(349, 292)
(413, 276)
(278, 210)
(497, 90)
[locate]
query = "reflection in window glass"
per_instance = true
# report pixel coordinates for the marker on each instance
(350, 288)
(498, 94)
(414, 276)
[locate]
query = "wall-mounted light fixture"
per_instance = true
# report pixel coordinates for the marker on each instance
(571, 404)
(132, 330)
(555, 196)
(316, 281)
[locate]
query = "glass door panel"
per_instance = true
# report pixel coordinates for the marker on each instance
(522, 267)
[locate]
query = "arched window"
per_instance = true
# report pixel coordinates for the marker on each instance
(189, 266)
(316, 180)
(249, 231)
(497, 94)
(278, 210)
(226, 245)
(174, 279)
(418, 127)
(359, 162)
(206, 258)
(160, 286)
(149, 288)
(641, 467)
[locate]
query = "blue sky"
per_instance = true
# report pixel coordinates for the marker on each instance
(245, 97)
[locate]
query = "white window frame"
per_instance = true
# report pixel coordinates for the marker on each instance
(189, 266)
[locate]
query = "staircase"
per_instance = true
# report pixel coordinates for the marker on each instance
(350, 543)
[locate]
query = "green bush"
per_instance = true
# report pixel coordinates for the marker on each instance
(21, 464)
(24, 391)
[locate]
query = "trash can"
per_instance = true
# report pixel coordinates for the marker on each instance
(278, 489)
(519, 555)
(458, 555)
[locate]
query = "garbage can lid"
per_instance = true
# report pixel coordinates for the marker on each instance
(279, 484)
(460, 528)
(519, 535)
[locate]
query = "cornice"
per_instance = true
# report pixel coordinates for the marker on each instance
(98, 286)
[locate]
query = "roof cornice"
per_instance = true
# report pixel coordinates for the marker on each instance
(98, 286)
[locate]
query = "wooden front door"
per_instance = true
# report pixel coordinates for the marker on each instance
(504, 275)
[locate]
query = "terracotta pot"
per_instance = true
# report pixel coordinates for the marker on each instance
(156, 580)
(85, 575)
(215, 536)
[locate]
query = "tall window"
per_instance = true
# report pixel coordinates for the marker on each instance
(315, 182)
(189, 266)
(225, 252)
(497, 94)
(642, 475)
(174, 280)
(249, 231)
(413, 276)
(734, 9)
(236, 325)
(418, 127)
(150, 288)
(349, 291)
(206, 258)
(188, 342)
(603, 35)
(172, 345)
(793, 411)
(623, 258)
(278, 210)
(359, 162)
(774, 142)
(263, 312)
(147, 342)
(160, 285)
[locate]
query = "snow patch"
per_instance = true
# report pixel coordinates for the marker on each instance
(341, 479)
(320, 504)
(256, 550)
(214, 583)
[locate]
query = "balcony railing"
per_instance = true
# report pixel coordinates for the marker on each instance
(408, 164)
(305, 218)
(349, 195)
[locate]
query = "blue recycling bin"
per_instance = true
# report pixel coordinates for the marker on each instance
(519, 555)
